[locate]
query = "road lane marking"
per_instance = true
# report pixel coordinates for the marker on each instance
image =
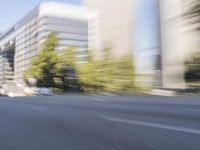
(98, 99)
(36, 108)
(154, 125)
(195, 110)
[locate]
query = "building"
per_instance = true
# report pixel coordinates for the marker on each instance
(160, 38)
(123, 28)
(115, 25)
(179, 41)
(23, 40)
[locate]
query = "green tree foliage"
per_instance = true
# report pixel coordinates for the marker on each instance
(53, 68)
(122, 74)
(60, 69)
(88, 75)
(67, 65)
(108, 74)
(43, 66)
(67, 57)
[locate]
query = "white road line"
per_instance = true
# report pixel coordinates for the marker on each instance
(98, 99)
(195, 110)
(36, 108)
(154, 125)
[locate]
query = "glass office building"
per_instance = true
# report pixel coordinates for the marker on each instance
(22, 42)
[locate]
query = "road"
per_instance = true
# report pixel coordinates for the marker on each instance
(80, 122)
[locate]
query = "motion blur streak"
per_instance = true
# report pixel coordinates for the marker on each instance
(162, 35)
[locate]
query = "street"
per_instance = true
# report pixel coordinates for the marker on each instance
(81, 122)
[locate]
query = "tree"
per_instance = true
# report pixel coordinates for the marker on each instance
(116, 74)
(122, 74)
(43, 66)
(88, 75)
(67, 65)
(108, 74)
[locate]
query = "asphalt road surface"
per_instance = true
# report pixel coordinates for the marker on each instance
(78, 122)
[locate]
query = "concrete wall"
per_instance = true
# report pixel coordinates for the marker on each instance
(115, 25)
(179, 41)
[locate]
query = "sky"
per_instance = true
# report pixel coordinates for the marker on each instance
(147, 34)
(12, 10)
(147, 26)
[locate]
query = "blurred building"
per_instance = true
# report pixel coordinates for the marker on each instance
(166, 38)
(157, 33)
(179, 41)
(131, 27)
(114, 29)
(23, 40)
